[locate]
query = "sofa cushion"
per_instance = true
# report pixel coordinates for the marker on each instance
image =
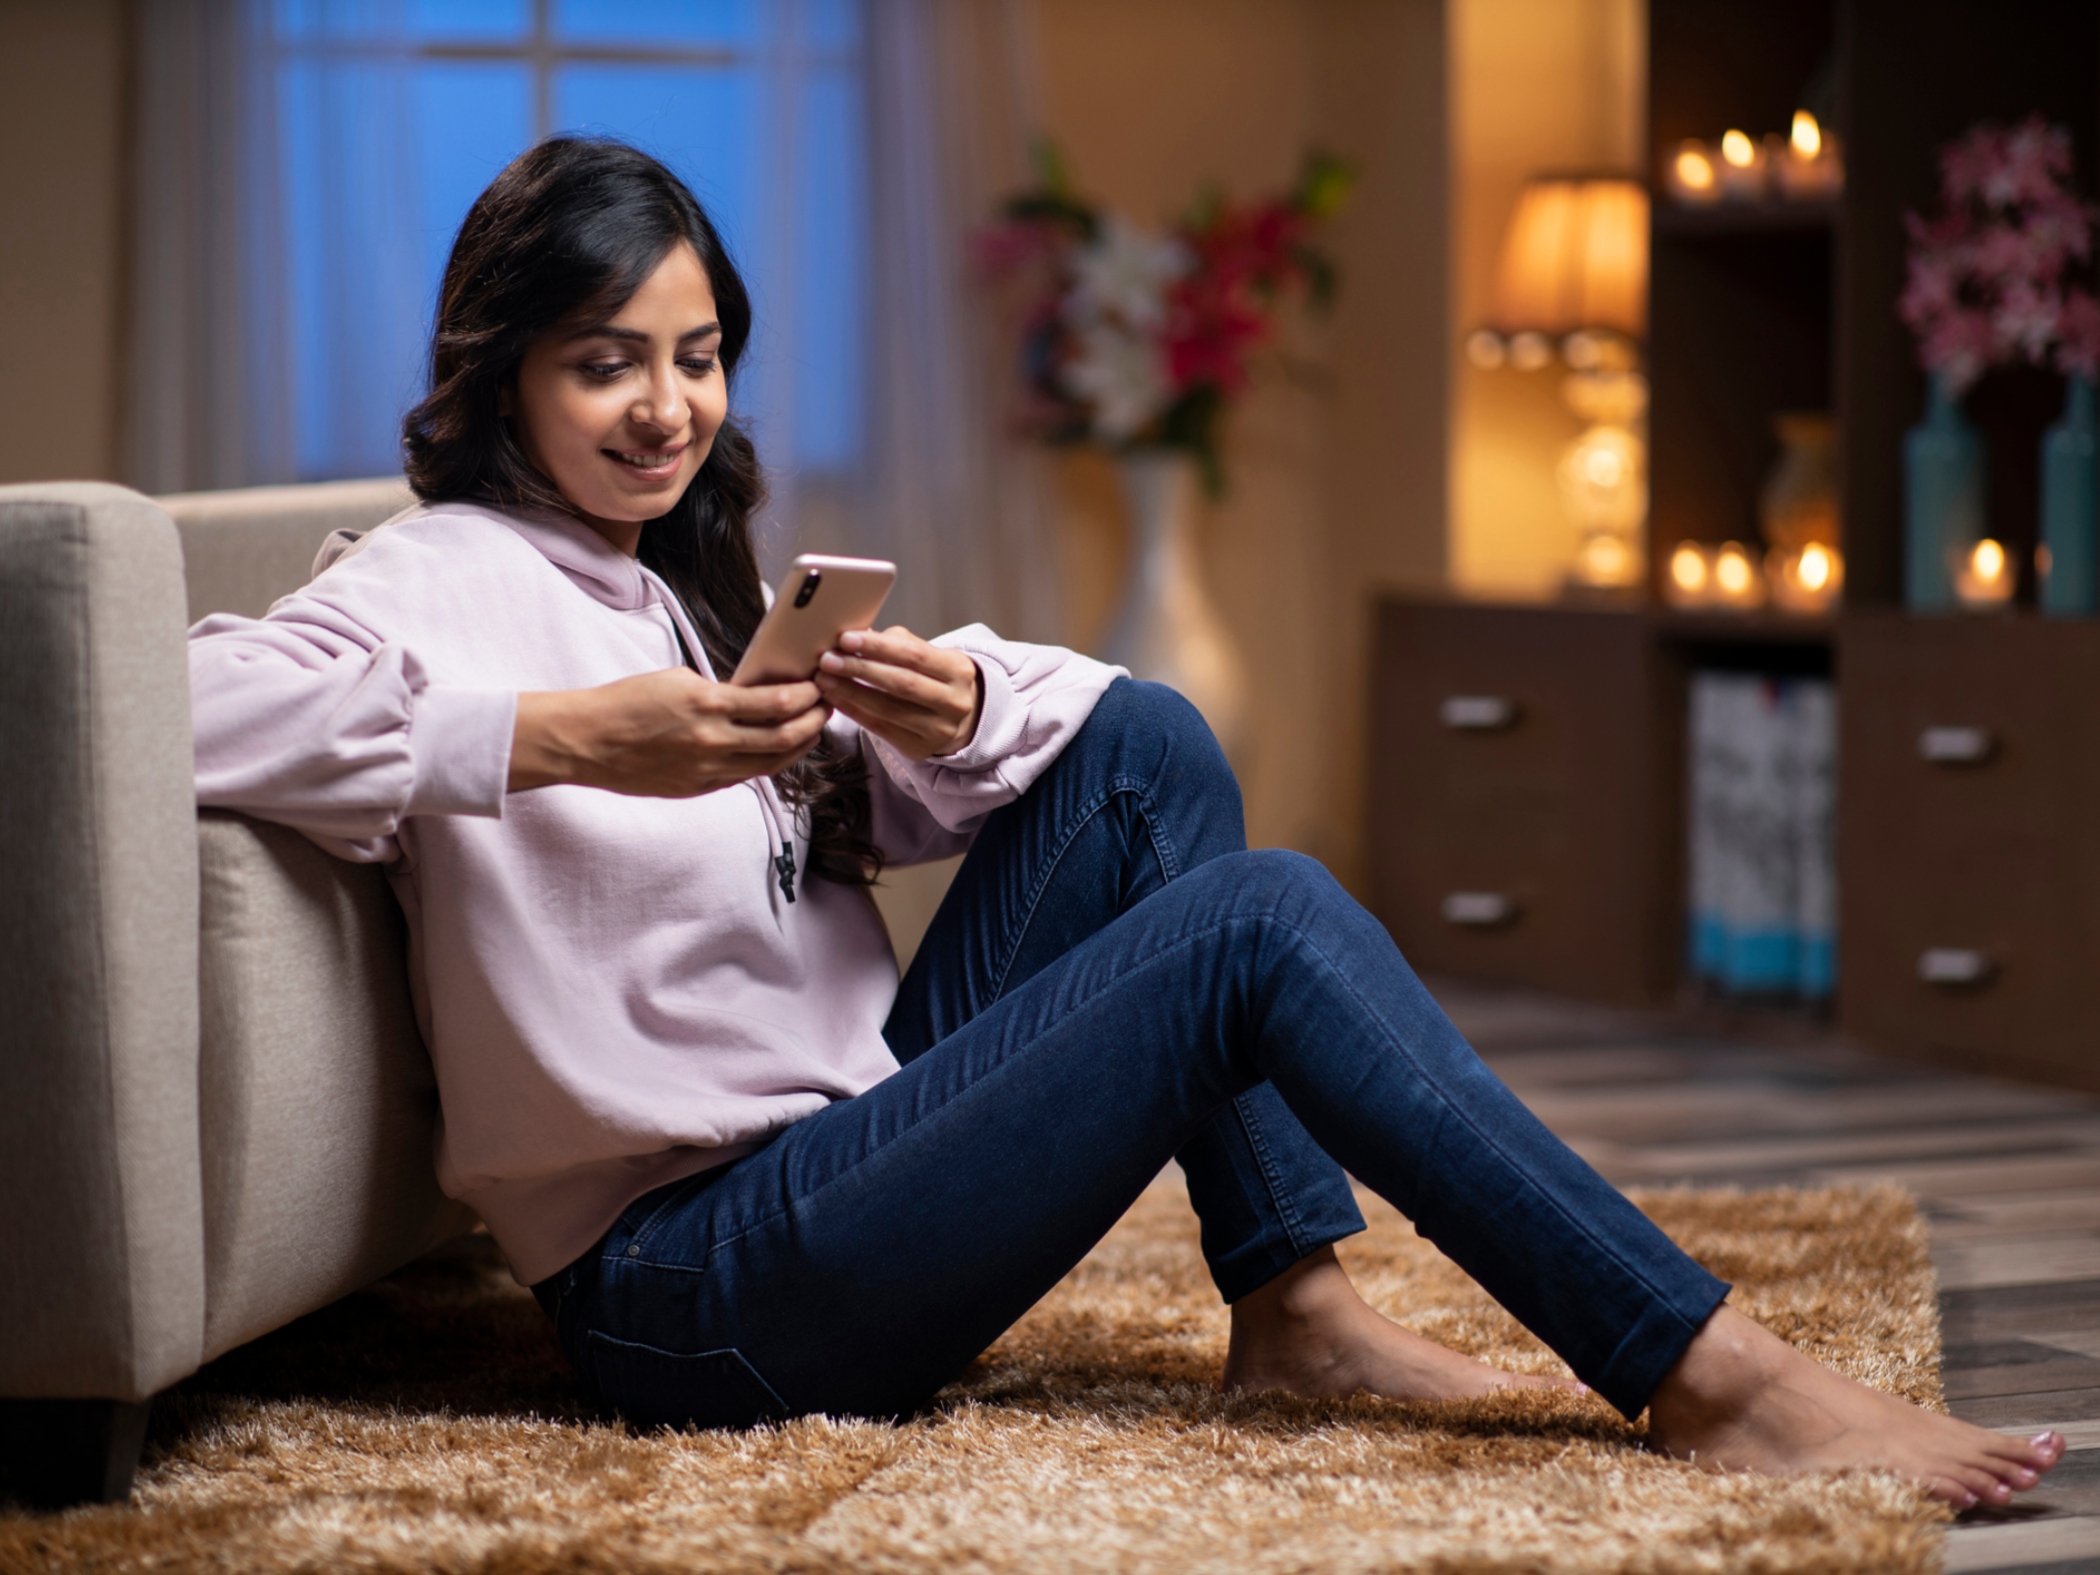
(243, 549)
(101, 1262)
(318, 1105)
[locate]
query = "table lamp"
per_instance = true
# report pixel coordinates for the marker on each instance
(1574, 270)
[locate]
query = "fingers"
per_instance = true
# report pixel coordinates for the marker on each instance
(760, 703)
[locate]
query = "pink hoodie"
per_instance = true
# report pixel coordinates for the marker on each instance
(616, 991)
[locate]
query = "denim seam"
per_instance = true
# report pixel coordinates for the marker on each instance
(1575, 1224)
(1279, 1195)
(1183, 942)
(1080, 821)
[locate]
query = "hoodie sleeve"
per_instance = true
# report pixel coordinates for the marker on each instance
(312, 723)
(1035, 698)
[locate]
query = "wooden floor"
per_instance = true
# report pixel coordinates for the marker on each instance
(2009, 1174)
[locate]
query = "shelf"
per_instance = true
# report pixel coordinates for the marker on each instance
(1758, 628)
(1763, 218)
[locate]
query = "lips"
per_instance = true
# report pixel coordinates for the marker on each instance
(648, 464)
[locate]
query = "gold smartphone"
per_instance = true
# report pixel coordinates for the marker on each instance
(819, 599)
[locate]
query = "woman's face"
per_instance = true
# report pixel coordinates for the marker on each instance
(620, 414)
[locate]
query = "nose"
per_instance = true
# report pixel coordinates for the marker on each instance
(662, 405)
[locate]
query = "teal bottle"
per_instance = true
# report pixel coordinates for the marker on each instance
(2071, 506)
(1942, 499)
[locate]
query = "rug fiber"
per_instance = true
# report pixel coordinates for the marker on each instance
(428, 1424)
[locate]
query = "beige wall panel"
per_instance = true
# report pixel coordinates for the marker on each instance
(62, 123)
(1336, 459)
(1535, 85)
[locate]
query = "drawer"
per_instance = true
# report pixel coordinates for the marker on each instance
(1969, 842)
(1513, 768)
(1979, 957)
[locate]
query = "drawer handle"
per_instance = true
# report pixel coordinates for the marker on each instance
(1477, 713)
(1954, 966)
(1956, 746)
(1479, 910)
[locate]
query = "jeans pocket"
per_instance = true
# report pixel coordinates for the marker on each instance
(707, 1389)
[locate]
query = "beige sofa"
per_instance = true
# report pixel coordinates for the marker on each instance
(215, 1112)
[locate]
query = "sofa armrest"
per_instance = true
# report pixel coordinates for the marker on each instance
(101, 1221)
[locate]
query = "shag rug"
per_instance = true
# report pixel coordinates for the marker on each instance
(428, 1424)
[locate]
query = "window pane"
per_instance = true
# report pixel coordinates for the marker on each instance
(357, 287)
(471, 120)
(831, 24)
(704, 122)
(830, 273)
(730, 23)
(478, 20)
(387, 21)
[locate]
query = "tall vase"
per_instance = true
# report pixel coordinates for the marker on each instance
(2071, 506)
(1166, 629)
(1942, 499)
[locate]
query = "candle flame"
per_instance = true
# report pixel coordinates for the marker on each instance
(1732, 570)
(1987, 561)
(1738, 149)
(1815, 566)
(1695, 169)
(1688, 568)
(1808, 136)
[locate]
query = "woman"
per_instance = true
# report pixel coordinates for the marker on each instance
(746, 1171)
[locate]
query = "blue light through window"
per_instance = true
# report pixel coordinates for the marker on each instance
(395, 114)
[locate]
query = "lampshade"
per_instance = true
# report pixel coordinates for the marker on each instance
(1575, 256)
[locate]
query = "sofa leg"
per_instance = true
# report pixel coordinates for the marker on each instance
(56, 1453)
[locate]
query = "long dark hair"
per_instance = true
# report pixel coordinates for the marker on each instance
(567, 233)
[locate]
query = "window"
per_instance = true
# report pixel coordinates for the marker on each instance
(394, 114)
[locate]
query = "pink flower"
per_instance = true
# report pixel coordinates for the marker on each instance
(2078, 348)
(1985, 277)
(2025, 323)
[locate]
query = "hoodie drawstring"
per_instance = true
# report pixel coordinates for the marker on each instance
(779, 823)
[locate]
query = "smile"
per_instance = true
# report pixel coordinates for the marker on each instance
(647, 462)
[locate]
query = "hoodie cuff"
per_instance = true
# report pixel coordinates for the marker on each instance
(999, 722)
(459, 746)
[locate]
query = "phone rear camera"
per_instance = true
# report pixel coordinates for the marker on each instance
(809, 587)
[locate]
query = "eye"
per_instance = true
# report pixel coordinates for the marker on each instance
(697, 365)
(603, 371)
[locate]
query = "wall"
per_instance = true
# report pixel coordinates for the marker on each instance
(1536, 85)
(62, 122)
(1337, 456)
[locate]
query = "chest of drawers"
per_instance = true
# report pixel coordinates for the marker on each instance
(1523, 812)
(1969, 841)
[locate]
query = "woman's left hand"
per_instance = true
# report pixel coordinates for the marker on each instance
(919, 699)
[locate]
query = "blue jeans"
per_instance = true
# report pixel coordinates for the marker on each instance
(1112, 981)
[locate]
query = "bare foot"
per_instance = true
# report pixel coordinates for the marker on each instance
(1308, 1332)
(1742, 1399)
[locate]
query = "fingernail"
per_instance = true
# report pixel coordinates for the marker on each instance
(850, 639)
(831, 661)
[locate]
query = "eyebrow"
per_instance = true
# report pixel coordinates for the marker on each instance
(636, 336)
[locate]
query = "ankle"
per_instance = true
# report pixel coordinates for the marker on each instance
(1728, 1362)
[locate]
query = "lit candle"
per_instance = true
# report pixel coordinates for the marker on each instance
(1809, 169)
(1807, 580)
(1983, 577)
(1741, 172)
(1690, 177)
(1690, 581)
(1737, 584)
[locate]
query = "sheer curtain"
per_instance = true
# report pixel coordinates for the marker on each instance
(209, 401)
(303, 164)
(949, 492)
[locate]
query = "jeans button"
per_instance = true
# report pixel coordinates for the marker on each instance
(633, 1251)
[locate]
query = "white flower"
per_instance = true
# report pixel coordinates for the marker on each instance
(1124, 273)
(1122, 374)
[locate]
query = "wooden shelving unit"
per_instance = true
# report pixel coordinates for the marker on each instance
(1574, 810)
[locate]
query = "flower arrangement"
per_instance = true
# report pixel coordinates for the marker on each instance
(1992, 277)
(1139, 339)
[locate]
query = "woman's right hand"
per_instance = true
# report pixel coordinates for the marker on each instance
(670, 734)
